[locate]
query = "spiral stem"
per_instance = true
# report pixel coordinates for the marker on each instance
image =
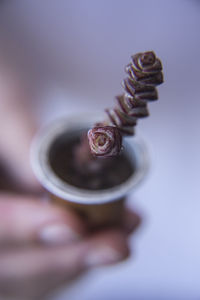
(144, 74)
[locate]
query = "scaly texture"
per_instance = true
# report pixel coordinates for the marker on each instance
(144, 74)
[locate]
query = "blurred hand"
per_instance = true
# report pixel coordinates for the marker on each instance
(41, 245)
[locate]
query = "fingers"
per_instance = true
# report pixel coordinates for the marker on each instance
(40, 269)
(107, 247)
(27, 219)
(35, 271)
(32, 273)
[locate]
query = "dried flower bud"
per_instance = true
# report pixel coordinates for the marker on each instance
(105, 141)
(144, 74)
(145, 68)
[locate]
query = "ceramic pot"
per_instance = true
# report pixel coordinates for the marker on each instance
(98, 207)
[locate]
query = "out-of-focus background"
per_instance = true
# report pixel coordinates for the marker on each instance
(73, 54)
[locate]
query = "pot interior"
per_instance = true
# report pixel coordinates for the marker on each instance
(66, 160)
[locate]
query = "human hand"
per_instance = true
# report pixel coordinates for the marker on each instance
(41, 245)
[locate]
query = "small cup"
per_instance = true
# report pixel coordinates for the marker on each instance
(98, 207)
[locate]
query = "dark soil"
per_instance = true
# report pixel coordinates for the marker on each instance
(108, 172)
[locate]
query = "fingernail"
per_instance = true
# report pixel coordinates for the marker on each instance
(57, 234)
(102, 256)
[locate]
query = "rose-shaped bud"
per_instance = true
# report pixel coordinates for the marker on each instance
(105, 141)
(144, 74)
(145, 68)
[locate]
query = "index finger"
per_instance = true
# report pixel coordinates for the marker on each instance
(25, 219)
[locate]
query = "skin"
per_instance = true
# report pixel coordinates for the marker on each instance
(42, 247)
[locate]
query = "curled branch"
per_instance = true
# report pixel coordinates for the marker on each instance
(144, 74)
